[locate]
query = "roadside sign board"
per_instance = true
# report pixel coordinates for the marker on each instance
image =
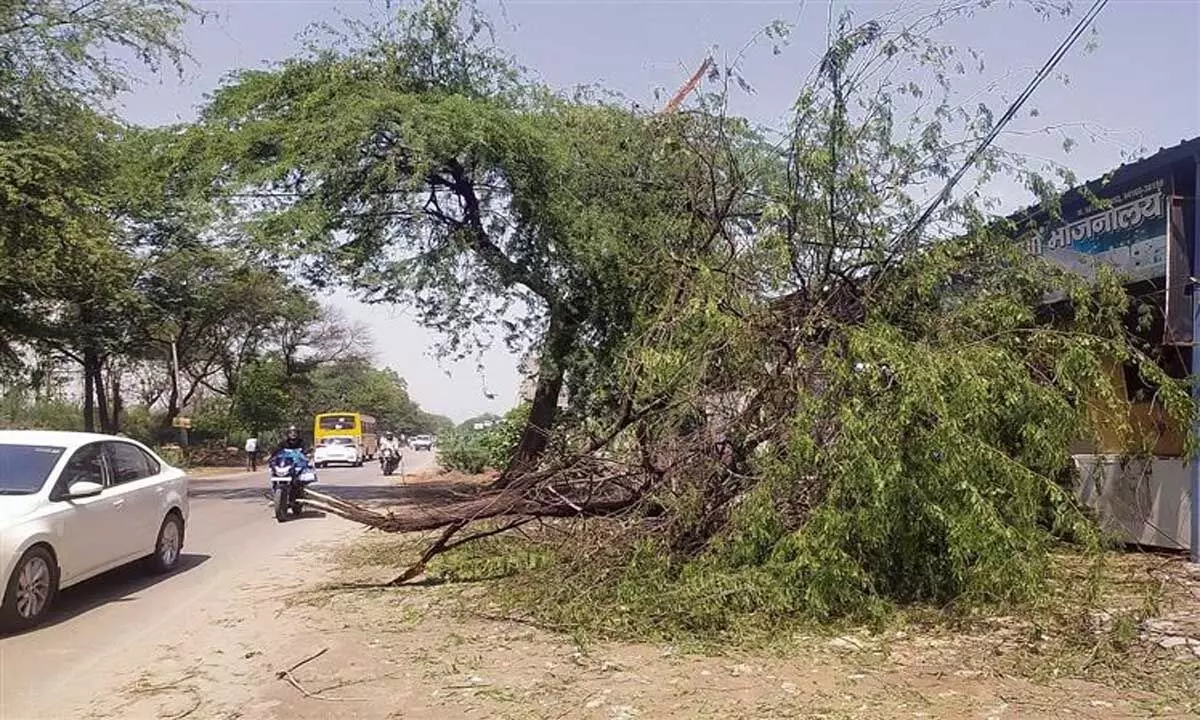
(1128, 233)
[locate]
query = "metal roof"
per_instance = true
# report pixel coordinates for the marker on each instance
(1126, 173)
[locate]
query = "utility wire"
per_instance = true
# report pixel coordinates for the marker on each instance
(1009, 114)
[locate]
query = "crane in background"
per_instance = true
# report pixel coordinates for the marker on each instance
(687, 87)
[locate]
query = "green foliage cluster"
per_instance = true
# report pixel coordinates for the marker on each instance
(843, 411)
(19, 411)
(472, 451)
(462, 452)
(106, 273)
(68, 201)
(945, 482)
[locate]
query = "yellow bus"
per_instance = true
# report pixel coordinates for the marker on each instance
(358, 427)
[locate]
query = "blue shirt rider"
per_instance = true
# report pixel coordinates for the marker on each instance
(291, 441)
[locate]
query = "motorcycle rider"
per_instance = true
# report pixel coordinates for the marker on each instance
(389, 442)
(291, 441)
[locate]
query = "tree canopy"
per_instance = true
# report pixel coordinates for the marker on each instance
(785, 363)
(115, 268)
(838, 399)
(418, 165)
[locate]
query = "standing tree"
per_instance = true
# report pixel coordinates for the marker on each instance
(262, 399)
(63, 277)
(419, 166)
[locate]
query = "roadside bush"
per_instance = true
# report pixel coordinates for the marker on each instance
(473, 451)
(18, 412)
(500, 440)
(139, 423)
(173, 454)
(463, 452)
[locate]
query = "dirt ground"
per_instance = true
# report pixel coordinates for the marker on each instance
(415, 654)
(425, 653)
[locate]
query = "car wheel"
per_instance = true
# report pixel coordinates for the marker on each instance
(169, 546)
(30, 591)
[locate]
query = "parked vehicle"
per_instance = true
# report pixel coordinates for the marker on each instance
(289, 475)
(389, 460)
(339, 450)
(74, 505)
(360, 428)
(422, 442)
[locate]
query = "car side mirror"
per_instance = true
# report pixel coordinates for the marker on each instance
(83, 489)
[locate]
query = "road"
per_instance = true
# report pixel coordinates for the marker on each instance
(107, 632)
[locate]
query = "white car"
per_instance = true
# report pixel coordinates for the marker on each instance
(74, 505)
(339, 450)
(421, 442)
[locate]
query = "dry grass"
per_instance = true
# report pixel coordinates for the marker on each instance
(445, 651)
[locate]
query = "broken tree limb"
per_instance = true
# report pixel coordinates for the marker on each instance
(488, 533)
(579, 497)
(518, 476)
(418, 567)
(488, 504)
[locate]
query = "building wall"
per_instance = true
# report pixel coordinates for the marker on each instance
(1141, 501)
(1148, 428)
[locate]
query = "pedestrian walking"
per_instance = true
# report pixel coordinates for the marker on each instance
(252, 453)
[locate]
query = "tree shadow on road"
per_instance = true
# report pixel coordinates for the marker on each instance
(119, 585)
(422, 493)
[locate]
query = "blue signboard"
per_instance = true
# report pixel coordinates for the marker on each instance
(1128, 232)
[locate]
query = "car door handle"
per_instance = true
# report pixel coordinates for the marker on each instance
(158, 490)
(118, 502)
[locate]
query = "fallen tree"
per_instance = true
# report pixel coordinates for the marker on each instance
(804, 394)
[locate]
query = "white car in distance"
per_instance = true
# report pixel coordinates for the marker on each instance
(75, 505)
(421, 442)
(337, 450)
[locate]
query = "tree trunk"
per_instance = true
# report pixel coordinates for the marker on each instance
(98, 386)
(118, 405)
(535, 436)
(543, 410)
(89, 397)
(172, 397)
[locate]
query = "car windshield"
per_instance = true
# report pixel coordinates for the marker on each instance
(24, 468)
(337, 441)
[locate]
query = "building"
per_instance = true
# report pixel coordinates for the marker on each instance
(1140, 219)
(527, 368)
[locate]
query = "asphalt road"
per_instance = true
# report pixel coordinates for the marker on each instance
(106, 628)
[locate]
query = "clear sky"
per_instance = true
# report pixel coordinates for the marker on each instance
(1139, 90)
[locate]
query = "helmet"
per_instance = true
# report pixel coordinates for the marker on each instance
(292, 432)
(390, 434)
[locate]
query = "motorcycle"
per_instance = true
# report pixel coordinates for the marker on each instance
(289, 473)
(389, 460)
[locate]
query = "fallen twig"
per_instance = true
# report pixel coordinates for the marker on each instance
(467, 687)
(291, 680)
(305, 661)
(574, 507)
(285, 675)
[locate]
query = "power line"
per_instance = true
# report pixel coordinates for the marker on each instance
(1009, 114)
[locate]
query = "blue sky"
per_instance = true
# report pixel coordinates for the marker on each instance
(1137, 91)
